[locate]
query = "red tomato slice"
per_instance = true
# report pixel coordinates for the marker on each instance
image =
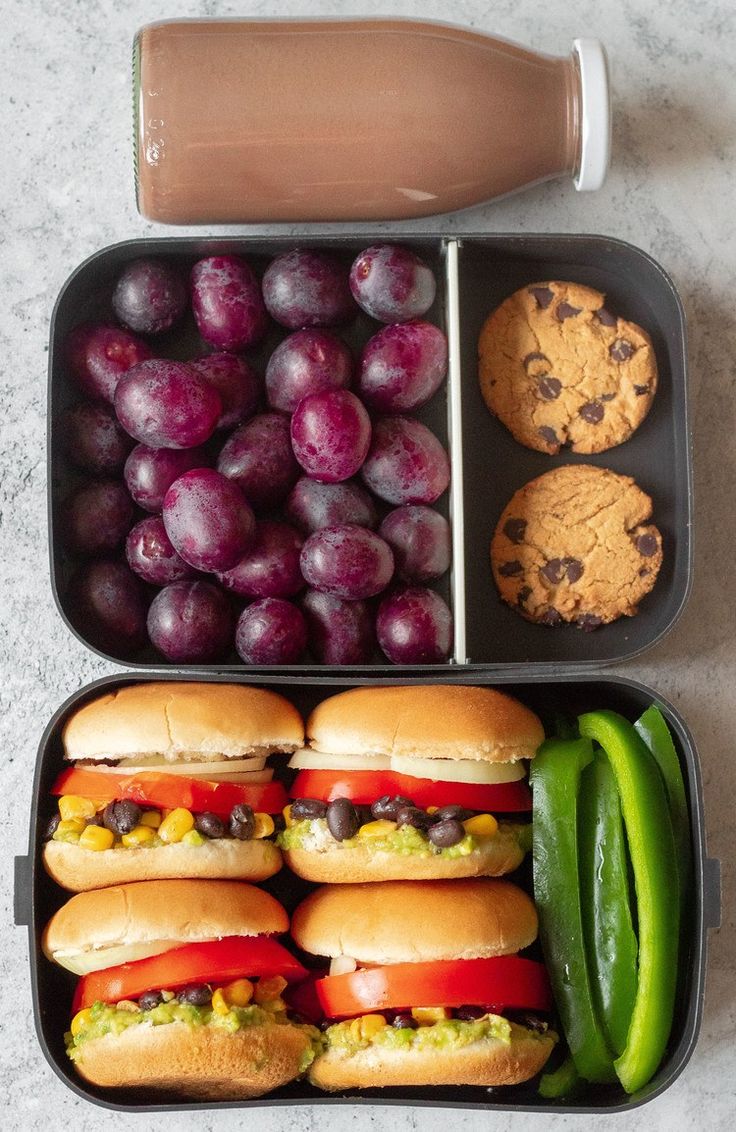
(216, 961)
(503, 983)
(365, 786)
(168, 791)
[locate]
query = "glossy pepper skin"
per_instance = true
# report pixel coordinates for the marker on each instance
(652, 853)
(561, 1083)
(610, 939)
(555, 778)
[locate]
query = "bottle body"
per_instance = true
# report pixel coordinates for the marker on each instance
(248, 121)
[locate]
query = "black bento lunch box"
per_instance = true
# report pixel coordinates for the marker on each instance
(474, 274)
(37, 897)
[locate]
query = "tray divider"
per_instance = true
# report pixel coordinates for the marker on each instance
(455, 436)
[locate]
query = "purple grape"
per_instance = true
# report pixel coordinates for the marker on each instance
(270, 567)
(307, 288)
(414, 626)
(259, 458)
(152, 557)
(208, 520)
(346, 561)
(167, 404)
(308, 361)
(402, 367)
(312, 505)
(420, 540)
(191, 622)
(330, 435)
(93, 439)
(227, 303)
(271, 631)
(237, 383)
(392, 284)
(149, 296)
(406, 462)
(107, 604)
(96, 517)
(98, 354)
(150, 472)
(340, 632)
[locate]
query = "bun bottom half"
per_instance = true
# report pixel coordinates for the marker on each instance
(201, 1062)
(498, 856)
(487, 1062)
(79, 870)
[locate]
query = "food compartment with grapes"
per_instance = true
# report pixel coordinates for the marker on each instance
(249, 456)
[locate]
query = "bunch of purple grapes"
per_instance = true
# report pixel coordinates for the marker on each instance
(282, 513)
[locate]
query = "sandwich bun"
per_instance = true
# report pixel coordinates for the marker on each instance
(416, 922)
(183, 720)
(79, 870)
(489, 1061)
(430, 721)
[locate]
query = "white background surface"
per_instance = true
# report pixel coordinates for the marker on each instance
(66, 190)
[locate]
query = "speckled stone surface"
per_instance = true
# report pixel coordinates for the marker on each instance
(66, 190)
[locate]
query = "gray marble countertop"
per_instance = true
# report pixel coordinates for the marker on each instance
(66, 190)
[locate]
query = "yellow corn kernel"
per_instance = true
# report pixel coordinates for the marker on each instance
(139, 835)
(367, 1026)
(151, 819)
(80, 1022)
(482, 825)
(380, 828)
(269, 989)
(70, 829)
(287, 815)
(96, 837)
(72, 806)
(426, 1015)
(175, 825)
(432, 809)
(219, 1005)
(238, 993)
(262, 826)
(194, 837)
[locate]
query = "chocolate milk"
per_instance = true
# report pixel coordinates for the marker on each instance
(259, 121)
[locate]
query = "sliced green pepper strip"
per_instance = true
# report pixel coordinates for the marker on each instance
(610, 939)
(555, 778)
(652, 853)
(560, 1083)
(656, 734)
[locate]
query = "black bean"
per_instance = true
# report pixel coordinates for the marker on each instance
(412, 815)
(469, 1013)
(308, 809)
(197, 995)
(365, 814)
(242, 822)
(52, 827)
(121, 817)
(96, 820)
(149, 999)
(342, 819)
(210, 825)
(404, 1022)
(389, 805)
(456, 812)
(446, 833)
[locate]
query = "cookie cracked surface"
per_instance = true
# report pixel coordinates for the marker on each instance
(576, 545)
(558, 368)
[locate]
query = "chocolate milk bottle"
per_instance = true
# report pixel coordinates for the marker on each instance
(259, 121)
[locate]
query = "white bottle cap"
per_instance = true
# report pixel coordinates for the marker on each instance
(595, 114)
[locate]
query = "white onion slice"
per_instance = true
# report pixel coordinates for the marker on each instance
(215, 770)
(84, 962)
(315, 760)
(459, 770)
(343, 965)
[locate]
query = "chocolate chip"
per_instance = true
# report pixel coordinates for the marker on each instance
(573, 568)
(593, 412)
(554, 571)
(641, 390)
(621, 350)
(646, 545)
(549, 435)
(588, 622)
(535, 358)
(508, 569)
(551, 616)
(606, 396)
(543, 295)
(549, 388)
(644, 572)
(523, 594)
(605, 317)
(515, 529)
(564, 310)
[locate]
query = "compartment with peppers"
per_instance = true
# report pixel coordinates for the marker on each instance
(407, 782)
(170, 780)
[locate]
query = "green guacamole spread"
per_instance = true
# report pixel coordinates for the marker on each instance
(312, 834)
(449, 1033)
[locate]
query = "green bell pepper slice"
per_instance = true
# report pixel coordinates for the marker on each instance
(561, 1082)
(656, 734)
(652, 853)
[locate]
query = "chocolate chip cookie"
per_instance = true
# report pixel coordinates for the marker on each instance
(576, 545)
(558, 368)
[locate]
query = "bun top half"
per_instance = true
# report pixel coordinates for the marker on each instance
(430, 721)
(416, 921)
(182, 719)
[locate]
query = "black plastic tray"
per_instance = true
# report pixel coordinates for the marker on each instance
(474, 274)
(37, 897)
